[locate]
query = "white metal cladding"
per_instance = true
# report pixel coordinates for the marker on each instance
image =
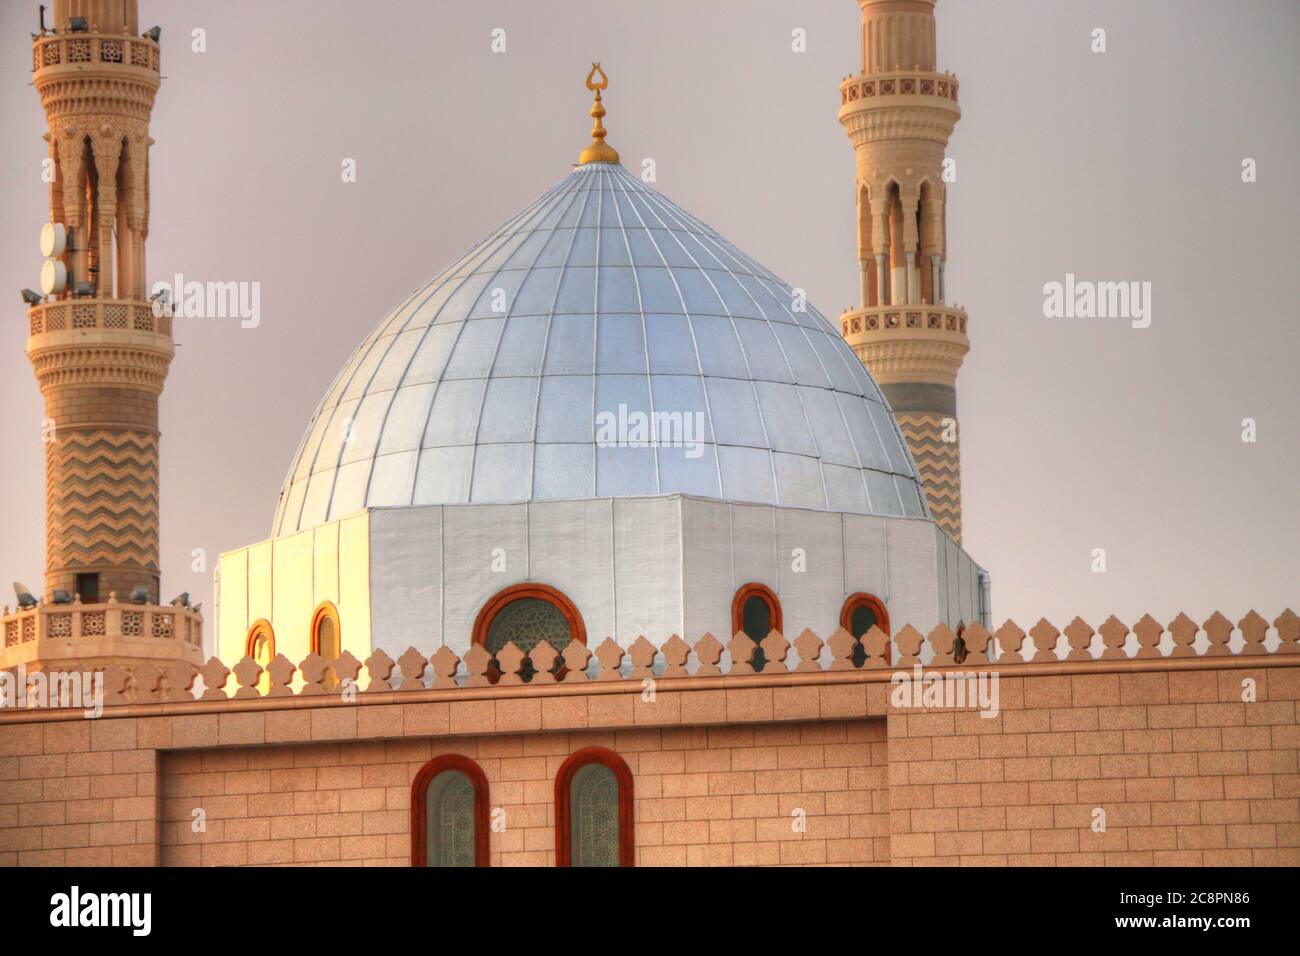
(650, 566)
(487, 384)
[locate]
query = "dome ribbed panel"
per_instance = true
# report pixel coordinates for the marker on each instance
(601, 300)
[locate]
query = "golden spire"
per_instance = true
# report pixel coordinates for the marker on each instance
(599, 151)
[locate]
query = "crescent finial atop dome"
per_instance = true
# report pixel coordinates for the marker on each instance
(599, 151)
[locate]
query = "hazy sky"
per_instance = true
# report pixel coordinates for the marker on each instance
(1077, 434)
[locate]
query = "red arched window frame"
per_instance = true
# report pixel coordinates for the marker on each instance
(755, 590)
(261, 628)
(563, 810)
(877, 606)
(326, 611)
(419, 821)
(530, 589)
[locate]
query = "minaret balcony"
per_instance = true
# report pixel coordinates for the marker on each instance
(917, 342)
(867, 88)
(918, 103)
(903, 318)
(50, 633)
(85, 314)
(59, 52)
(119, 342)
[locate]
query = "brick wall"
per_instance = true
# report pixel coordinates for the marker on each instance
(703, 796)
(1186, 772)
(78, 793)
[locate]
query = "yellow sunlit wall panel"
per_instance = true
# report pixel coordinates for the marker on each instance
(234, 606)
(261, 573)
(284, 580)
(291, 584)
(354, 584)
(326, 570)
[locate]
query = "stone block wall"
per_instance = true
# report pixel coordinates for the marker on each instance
(1190, 758)
(703, 796)
(1185, 772)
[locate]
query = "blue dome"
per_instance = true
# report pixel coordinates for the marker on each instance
(523, 371)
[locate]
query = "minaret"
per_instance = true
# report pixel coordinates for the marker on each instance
(899, 113)
(99, 349)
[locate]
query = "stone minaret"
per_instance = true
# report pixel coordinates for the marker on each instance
(899, 112)
(99, 350)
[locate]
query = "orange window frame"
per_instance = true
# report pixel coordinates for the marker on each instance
(564, 808)
(861, 598)
(419, 814)
(261, 627)
(751, 590)
(325, 611)
(531, 589)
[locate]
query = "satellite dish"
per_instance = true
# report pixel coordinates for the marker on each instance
(54, 276)
(54, 240)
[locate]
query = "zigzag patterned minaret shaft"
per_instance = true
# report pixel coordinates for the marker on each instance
(899, 113)
(99, 352)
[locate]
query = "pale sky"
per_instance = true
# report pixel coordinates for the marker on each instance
(1076, 434)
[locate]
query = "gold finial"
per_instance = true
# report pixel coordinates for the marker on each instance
(599, 151)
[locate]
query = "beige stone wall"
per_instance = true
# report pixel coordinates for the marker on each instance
(79, 793)
(1189, 770)
(1187, 773)
(703, 796)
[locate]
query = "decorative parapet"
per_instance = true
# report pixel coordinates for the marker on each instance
(871, 86)
(86, 49)
(874, 657)
(74, 626)
(916, 342)
(101, 342)
(85, 314)
(935, 318)
(912, 104)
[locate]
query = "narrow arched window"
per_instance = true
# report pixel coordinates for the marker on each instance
(449, 813)
(260, 643)
(327, 640)
(525, 615)
(860, 613)
(260, 646)
(593, 800)
(927, 245)
(756, 610)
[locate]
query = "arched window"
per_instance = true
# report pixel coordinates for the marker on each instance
(895, 254)
(327, 640)
(449, 813)
(260, 643)
(260, 646)
(593, 810)
(870, 279)
(927, 246)
(861, 612)
(756, 611)
(524, 614)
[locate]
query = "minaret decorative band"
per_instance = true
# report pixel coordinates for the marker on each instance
(899, 113)
(99, 350)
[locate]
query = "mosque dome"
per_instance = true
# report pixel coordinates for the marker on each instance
(526, 370)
